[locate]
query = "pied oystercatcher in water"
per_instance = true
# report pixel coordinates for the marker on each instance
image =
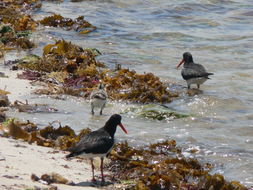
(193, 73)
(98, 99)
(97, 143)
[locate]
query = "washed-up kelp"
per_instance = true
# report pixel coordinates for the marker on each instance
(19, 20)
(61, 137)
(142, 88)
(60, 56)
(153, 111)
(33, 108)
(51, 178)
(1, 50)
(16, 23)
(161, 166)
(11, 38)
(15, 28)
(69, 65)
(22, 4)
(76, 72)
(30, 75)
(78, 24)
(4, 100)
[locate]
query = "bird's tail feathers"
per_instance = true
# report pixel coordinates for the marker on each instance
(70, 155)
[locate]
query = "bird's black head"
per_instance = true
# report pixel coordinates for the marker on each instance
(187, 58)
(112, 123)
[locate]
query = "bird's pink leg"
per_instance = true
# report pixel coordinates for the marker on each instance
(92, 168)
(102, 169)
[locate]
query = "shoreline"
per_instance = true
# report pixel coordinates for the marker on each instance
(21, 89)
(19, 160)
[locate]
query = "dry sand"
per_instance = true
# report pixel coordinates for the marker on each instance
(18, 160)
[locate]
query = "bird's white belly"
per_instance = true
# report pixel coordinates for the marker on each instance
(98, 102)
(199, 80)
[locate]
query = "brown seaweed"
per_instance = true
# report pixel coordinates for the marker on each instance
(78, 24)
(4, 101)
(16, 24)
(154, 167)
(29, 75)
(49, 136)
(26, 107)
(81, 74)
(162, 166)
(51, 178)
(142, 88)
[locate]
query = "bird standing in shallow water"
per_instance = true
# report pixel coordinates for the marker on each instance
(98, 99)
(193, 73)
(97, 143)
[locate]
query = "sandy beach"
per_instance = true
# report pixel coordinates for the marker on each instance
(54, 54)
(19, 160)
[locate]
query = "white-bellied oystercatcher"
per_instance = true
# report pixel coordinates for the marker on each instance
(193, 73)
(97, 143)
(98, 99)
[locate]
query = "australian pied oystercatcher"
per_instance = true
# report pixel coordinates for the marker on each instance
(193, 73)
(97, 143)
(98, 99)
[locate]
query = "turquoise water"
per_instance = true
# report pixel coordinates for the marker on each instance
(151, 36)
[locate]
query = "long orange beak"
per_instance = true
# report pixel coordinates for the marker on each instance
(123, 128)
(180, 63)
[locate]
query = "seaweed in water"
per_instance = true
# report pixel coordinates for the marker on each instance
(161, 166)
(153, 111)
(32, 108)
(78, 24)
(142, 88)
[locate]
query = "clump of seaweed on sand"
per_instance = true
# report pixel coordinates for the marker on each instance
(17, 24)
(75, 71)
(61, 137)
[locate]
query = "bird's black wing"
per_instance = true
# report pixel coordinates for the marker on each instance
(194, 71)
(97, 142)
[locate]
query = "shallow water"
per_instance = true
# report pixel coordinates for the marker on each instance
(151, 36)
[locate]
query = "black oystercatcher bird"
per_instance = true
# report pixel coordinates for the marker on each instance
(193, 73)
(97, 143)
(98, 99)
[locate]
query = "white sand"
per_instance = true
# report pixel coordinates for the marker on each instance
(18, 160)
